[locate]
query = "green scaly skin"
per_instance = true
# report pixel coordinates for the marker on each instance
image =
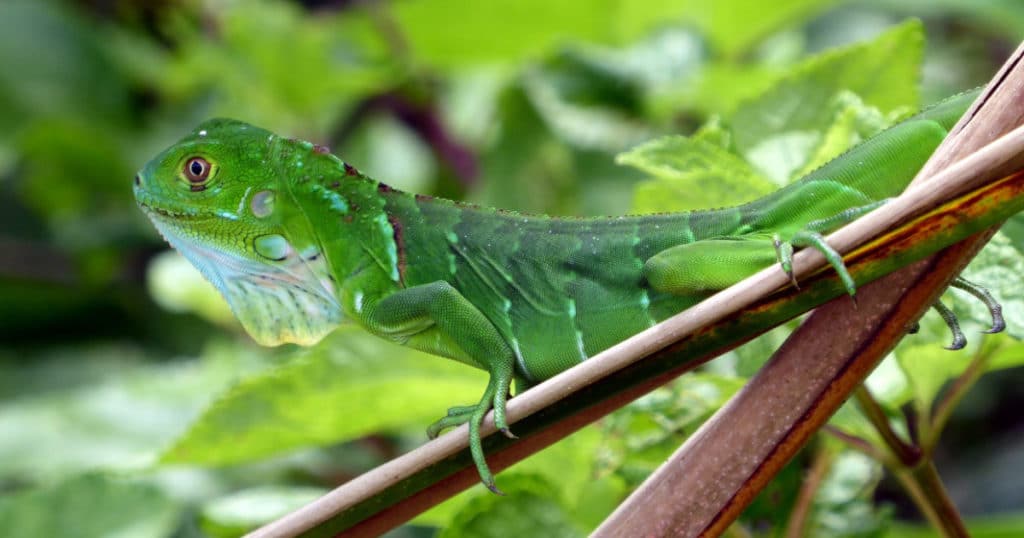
(297, 240)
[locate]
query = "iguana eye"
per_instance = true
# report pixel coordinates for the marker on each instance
(197, 170)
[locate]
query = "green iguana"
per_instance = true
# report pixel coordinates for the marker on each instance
(297, 240)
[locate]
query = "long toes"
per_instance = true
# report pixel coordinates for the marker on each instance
(461, 410)
(433, 432)
(445, 422)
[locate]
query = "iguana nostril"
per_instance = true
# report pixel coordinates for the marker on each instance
(138, 180)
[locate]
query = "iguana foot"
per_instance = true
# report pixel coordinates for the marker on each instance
(994, 309)
(983, 295)
(784, 255)
(816, 241)
(495, 396)
(456, 416)
(811, 236)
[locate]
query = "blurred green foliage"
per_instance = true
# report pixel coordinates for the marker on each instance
(134, 405)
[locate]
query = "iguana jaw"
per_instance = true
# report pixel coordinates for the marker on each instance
(154, 210)
(277, 303)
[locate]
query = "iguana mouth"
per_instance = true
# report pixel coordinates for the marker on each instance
(170, 214)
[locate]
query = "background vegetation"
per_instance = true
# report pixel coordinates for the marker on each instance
(133, 404)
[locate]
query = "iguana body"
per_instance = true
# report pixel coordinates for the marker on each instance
(297, 240)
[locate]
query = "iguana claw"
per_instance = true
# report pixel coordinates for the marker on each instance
(983, 295)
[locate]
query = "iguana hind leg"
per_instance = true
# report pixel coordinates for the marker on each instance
(440, 306)
(714, 264)
(811, 236)
(709, 265)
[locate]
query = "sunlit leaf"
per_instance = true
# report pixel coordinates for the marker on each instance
(179, 287)
(780, 130)
(350, 385)
(92, 505)
(528, 509)
(569, 467)
(66, 418)
(691, 174)
(243, 511)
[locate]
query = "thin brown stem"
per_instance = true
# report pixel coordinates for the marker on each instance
(918, 497)
(929, 494)
(797, 524)
(913, 468)
(906, 453)
(861, 445)
(949, 401)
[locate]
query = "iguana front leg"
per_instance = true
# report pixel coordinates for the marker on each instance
(407, 312)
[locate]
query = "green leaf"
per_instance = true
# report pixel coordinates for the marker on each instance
(527, 509)
(643, 434)
(594, 97)
(568, 466)
(526, 168)
(718, 89)
(513, 30)
(68, 72)
(176, 285)
(277, 65)
(118, 421)
(852, 123)
(779, 131)
(728, 23)
(588, 127)
(243, 511)
(350, 385)
(691, 173)
(92, 505)
(1002, 525)
(733, 30)
(510, 31)
(843, 503)
(1008, 355)
(928, 367)
(51, 148)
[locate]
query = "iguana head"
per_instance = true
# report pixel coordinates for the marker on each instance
(220, 197)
